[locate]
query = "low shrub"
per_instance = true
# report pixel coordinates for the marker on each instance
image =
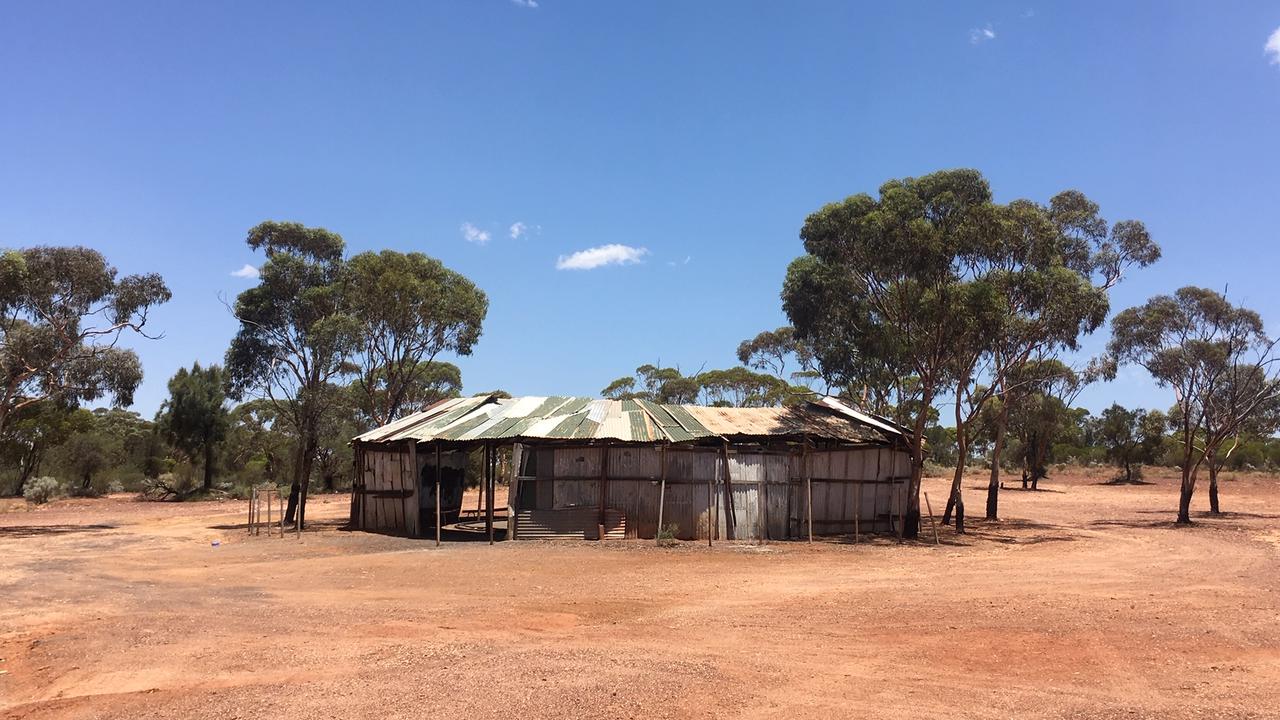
(41, 490)
(667, 534)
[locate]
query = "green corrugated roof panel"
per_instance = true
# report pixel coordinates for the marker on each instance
(639, 428)
(677, 433)
(567, 426)
(687, 421)
(453, 415)
(573, 406)
(587, 429)
(499, 429)
(522, 426)
(630, 406)
(456, 432)
(660, 415)
(551, 403)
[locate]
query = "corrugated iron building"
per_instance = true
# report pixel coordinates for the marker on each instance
(577, 467)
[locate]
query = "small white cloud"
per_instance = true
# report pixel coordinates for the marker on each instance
(473, 234)
(518, 230)
(248, 271)
(525, 3)
(1028, 13)
(982, 34)
(612, 254)
(1272, 47)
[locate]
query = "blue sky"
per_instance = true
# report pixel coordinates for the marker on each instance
(697, 135)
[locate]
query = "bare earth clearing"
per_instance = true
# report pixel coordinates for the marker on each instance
(1085, 602)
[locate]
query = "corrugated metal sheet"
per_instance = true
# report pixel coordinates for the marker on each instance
(632, 421)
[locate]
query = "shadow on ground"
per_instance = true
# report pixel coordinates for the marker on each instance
(24, 531)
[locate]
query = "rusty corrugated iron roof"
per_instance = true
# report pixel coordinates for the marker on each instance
(489, 417)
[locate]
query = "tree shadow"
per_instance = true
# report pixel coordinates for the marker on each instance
(311, 525)
(1008, 532)
(24, 531)
(1119, 482)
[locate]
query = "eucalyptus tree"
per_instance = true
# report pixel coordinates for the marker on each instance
(32, 432)
(656, 383)
(887, 289)
(1131, 438)
(296, 337)
(63, 310)
(772, 351)
(1055, 265)
(410, 308)
(1041, 412)
(195, 418)
(1238, 387)
(741, 387)
(1201, 346)
(434, 381)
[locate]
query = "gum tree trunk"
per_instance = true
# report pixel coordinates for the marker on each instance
(1213, 487)
(956, 501)
(993, 485)
(1184, 498)
(208, 466)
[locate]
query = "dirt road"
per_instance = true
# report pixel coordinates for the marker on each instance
(1084, 602)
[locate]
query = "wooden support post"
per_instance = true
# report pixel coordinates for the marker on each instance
(927, 505)
(488, 505)
(808, 487)
(437, 494)
(253, 495)
(857, 509)
(711, 522)
(269, 493)
(413, 502)
(764, 505)
(604, 490)
(662, 493)
(730, 517)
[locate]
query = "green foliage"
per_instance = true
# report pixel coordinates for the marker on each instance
(428, 384)
(195, 419)
(410, 308)
(734, 387)
(41, 490)
(33, 431)
(1217, 359)
(62, 312)
(667, 534)
(1131, 438)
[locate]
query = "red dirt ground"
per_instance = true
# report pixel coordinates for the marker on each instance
(1084, 602)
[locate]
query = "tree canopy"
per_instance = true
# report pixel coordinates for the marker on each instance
(410, 308)
(62, 312)
(1217, 359)
(195, 419)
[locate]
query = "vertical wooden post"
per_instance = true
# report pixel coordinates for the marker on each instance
(415, 481)
(269, 494)
(437, 494)
(857, 509)
(662, 493)
(604, 490)
(488, 504)
(253, 495)
(711, 520)
(764, 504)
(730, 516)
(808, 487)
(929, 506)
